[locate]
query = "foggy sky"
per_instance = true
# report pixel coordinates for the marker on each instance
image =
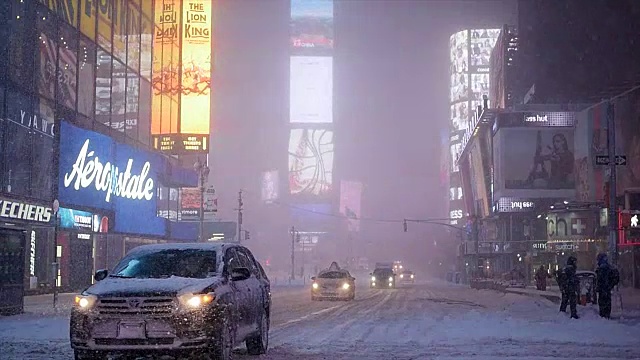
(390, 103)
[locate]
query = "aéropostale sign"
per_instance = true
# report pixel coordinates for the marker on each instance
(97, 172)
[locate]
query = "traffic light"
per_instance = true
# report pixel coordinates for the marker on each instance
(247, 235)
(405, 225)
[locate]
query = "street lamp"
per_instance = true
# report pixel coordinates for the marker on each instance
(203, 170)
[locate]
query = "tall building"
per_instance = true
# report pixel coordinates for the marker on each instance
(311, 143)
(503, 72)
(80, 183)
(470, 53)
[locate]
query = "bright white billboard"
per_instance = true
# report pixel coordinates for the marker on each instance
(311, 89)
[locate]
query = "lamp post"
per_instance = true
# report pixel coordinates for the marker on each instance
(203, 170)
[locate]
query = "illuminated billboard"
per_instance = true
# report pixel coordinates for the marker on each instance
(311, 89)
(311, 162)
(311, 26)
(270, 186)
(350, 203)
(181, 104)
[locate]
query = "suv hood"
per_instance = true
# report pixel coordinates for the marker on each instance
(118, 287)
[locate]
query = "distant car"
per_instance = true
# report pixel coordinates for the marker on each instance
(333, 284)
(175, 299)
(407, 277)
(383, 278)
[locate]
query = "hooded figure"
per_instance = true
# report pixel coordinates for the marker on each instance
(607, 277)
(569, 285)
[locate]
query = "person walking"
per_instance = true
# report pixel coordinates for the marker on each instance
(541, 278)
(569, 286)
(607, 277)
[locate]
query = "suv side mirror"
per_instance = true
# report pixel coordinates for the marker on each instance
(371, 274)
(101, 274)
(240, 273)
(313, 278)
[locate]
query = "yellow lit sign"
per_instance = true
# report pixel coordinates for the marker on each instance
(179, 144)
(195, 106)
(64, 9)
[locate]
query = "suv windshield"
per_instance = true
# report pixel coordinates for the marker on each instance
(383, 272)
(333, 275)
(189, 263)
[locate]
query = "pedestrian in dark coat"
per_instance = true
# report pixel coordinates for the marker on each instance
(607, 277)
(541, 278)
(569, 286)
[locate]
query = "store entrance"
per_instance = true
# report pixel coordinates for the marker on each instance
(81, 261)
(12, 262)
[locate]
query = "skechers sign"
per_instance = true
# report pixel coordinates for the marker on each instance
(97, 172)
(18, 210)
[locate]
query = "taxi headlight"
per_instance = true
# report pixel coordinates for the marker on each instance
(373, 278)
(390, 278)
(195, 301)
(85, 302)
(412, 276)
(345, 286)
(314, 285)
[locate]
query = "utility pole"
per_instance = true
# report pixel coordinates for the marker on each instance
(613, 206)
(293, 256)
(240, 203)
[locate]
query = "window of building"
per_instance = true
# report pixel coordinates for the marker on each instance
(86, 77)
(5, 34)
(120, 33)
(105, 33)
(118, 95)
(146, 40)
(103, 87)
(144, 114)
(42, 158)
(88, 19)
(133, 35)
(133, 98)
(21, 50)
(47, 54)
(17, 146)
(67, 66)
(2, 131)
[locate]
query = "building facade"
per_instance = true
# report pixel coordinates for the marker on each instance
(75, 111)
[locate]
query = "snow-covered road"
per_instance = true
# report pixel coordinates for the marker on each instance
(426, 321)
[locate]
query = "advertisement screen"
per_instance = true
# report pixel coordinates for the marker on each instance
(460, 116)
(350, 203)
(459, 52)
(478, 178)
(459, 87)
(310, 162)
(83, 220)
(455, 150)
(195, 102)
(166, 65)
(311, 89)
(538, 158)
(482, 42)
(312, 24)
(99, 173)
(479, 86)
(270, 186)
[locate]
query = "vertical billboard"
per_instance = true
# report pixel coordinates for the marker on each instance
(181, 102)
(469, 56)
(270, 186)
(350, 203)
(311, 148)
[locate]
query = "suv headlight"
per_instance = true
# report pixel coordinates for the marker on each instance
(373, 278)
(315, 285)
(85, 302)
(196, 301)
(390, 278)
(345, 286)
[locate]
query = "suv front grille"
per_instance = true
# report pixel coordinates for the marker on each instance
(157, 306)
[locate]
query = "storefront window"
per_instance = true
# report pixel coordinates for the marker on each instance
(47, 54)
(146, 41)
(86, 70)
(118, 93)
(103, 87)
(21, 50)
(133, 96)
(67, 65)
(144, 114)
(42, 161)
(17, 150)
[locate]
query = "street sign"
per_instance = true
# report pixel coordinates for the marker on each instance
(621, 160)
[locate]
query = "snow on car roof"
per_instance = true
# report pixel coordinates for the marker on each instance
(180, 246)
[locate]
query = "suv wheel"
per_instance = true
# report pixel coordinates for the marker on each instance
(222, 348)
(259, 343)
(87, 354)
